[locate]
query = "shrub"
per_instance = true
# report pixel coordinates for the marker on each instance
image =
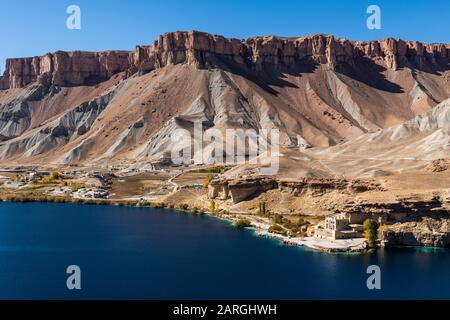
(286, 223)
(277, 218)
(212, 206)
(51, 178)
(208, 179)
(75, 186)
(216, 169)
(195, 210)
(242, 223)
(277, 229)
(183, 206)
(55, 175)
(144, 204)
(302, 222)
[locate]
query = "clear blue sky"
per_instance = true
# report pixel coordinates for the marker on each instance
(29, 28)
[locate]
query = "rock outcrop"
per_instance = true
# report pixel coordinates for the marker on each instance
(60, 131)
(64, 68)
(198, 47)
(416, 238)
(318, 91)
(440, 165)
(15, 116)
(243, 189)
(428, 231)
(205, 50)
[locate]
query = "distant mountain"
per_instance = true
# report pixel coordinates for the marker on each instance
(118, 106)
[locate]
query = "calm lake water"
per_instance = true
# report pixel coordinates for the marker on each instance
(141, 253)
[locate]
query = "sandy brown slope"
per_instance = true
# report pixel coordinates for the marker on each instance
(133, 116)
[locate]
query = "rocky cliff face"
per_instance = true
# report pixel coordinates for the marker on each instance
(247, 188)
(428, 231)
(204, 50)
(64, 68)
(197, 47)
(318, 91)
(416, 238)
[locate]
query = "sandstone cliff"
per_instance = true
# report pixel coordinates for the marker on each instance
(428, 231)
(318, 91)
(64, 68)
(203, 50)
(197, 47)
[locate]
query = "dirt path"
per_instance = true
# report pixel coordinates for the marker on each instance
(171, 181)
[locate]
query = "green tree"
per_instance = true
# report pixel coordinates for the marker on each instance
(371, 232)
(208, 179)
(275, 228)
(302, 222)
(55, 175)
(216, 169)
(212, 206)
(262, 209)
(242, 223)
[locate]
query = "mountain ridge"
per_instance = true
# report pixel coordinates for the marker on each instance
(318, 91)
(85, 67)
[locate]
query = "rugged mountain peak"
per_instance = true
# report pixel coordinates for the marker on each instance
(203, 49)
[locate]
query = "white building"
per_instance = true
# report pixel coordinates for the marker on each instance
(339, 227)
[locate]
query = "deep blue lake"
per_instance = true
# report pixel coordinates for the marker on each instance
(141, 253)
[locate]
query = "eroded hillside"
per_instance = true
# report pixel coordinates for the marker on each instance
(123, 107)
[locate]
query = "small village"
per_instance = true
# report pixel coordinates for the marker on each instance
(335, 234)
(247, 202)
(71, 183)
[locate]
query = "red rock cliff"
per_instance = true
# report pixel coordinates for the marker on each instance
(177, 47)
(64, 68)
(78, 68)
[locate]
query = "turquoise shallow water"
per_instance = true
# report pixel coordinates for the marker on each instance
(141, 253)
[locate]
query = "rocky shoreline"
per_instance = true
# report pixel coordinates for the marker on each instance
(407, 220)
(388, 238)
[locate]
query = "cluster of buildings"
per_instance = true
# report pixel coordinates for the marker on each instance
(344, 226)
(17, 178)
(91, 193)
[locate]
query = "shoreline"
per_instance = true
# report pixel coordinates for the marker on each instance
(317, 244)
(259, 229)
(349, 246)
